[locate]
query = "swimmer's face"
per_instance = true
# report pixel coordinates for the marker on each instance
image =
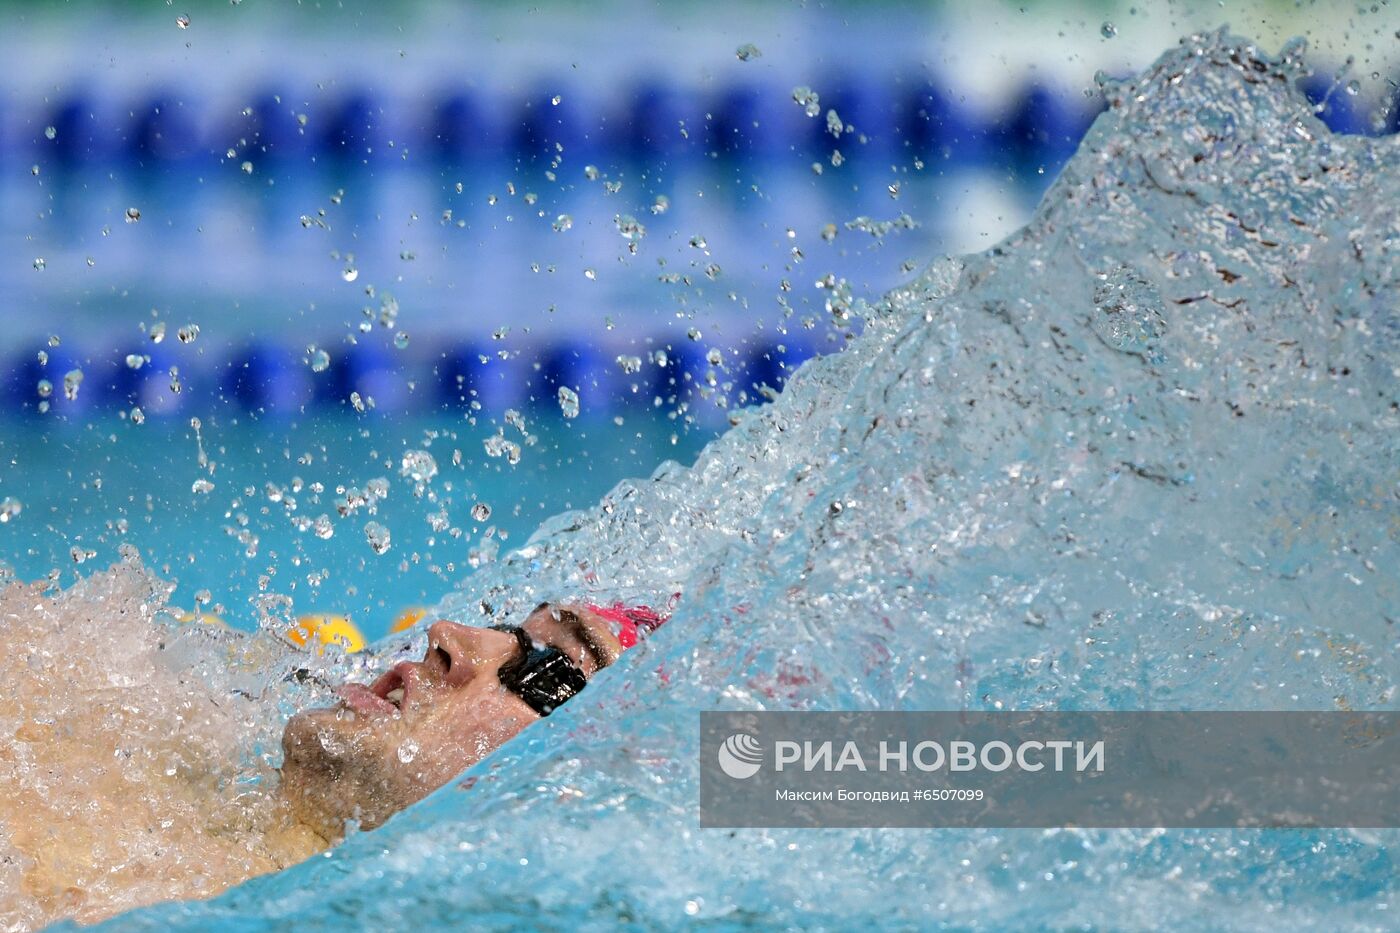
(415, 728)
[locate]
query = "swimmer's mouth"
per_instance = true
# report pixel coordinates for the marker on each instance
(385, 695)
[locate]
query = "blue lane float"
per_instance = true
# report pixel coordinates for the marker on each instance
(164, 131)
(653, 119)
(267, 379)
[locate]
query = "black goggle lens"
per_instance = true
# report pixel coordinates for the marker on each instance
(543, 677)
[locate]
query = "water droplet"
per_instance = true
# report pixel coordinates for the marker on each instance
(50, 132)
(10, 508)
(377, 536)
(202, 486)
(54, 340)
(72, 381)
(133, 214)
(157, 332)
(188, 333)
(481, 511)
(1108, 30)
(409, 749)
(556, 99)
(563, 222)
(40, 263)
(747, 52)
(418, 465)
(44, 388)
(135, 361)
(693, 333)
(568, 402)
(1353, 88)
(661, 205)
(629, 227)
(807, 99)
(43, 357)
(401, 340)
(138, 416)
(350, 274)
(247, 168)
(183, 21)
(590, 274)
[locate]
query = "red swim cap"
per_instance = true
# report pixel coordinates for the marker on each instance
(631, 620)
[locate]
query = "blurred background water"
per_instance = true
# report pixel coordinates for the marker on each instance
(336, 234)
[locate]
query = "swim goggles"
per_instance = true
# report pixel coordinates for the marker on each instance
(542, 676)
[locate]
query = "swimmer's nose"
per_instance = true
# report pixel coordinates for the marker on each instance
(456, 653)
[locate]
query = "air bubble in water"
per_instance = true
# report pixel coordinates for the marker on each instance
(568, 402)
(747, 52)
(481, 511)
(377, 536)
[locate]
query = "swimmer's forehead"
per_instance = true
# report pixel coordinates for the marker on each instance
(573, 627)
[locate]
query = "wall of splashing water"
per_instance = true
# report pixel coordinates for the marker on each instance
(136, 755)
(1141, 455)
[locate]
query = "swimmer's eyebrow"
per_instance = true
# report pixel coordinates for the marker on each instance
(575, 624)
